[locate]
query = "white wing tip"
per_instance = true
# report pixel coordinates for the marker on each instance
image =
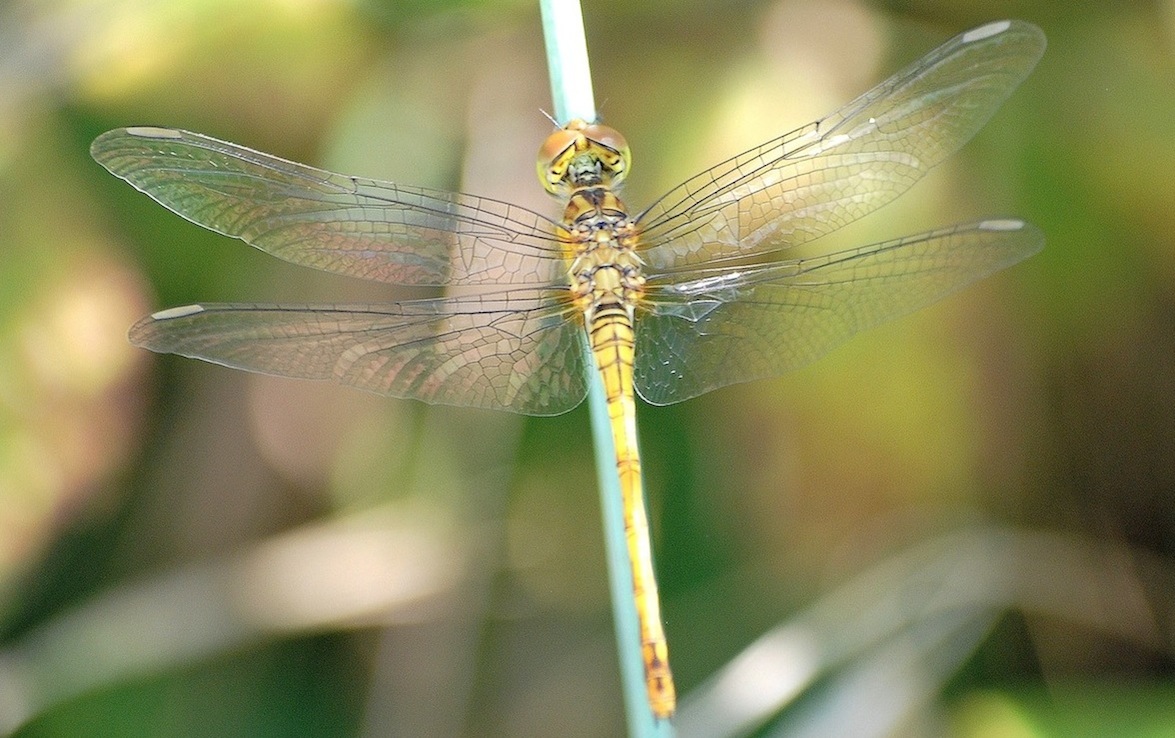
(177, 312)
(152, 132)
(986, 31)
(1003, 224)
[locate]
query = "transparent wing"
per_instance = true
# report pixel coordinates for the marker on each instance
(816, 179)
(728, 325)
(521, 352)
(347, 225)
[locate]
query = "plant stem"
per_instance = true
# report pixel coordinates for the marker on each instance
(571, 91)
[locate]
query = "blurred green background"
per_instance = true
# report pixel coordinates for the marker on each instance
(191, 551)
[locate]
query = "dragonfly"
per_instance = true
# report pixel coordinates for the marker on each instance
(695, 292)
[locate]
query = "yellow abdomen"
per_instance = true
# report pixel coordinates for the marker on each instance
(612, 339)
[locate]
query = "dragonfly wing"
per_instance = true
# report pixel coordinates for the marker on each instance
(818, 178)
(347, 225)
(729, 325)
(517, 352)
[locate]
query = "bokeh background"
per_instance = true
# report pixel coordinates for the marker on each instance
(958, 524)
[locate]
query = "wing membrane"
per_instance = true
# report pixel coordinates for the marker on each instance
(520, 352)
(347, 225)
(816, 179)
(710, 317)
(725, 326)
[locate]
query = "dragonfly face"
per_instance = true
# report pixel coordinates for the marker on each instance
(694, 293)
(584, 153)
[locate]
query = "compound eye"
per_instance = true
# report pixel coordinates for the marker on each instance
(606, 136)
(556, 145)
(556, 153)
(610, 140)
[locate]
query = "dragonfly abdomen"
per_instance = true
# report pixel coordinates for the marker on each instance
(612, 340)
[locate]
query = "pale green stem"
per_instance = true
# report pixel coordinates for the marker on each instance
(571, 91)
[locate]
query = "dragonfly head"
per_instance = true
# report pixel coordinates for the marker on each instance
(582, 154)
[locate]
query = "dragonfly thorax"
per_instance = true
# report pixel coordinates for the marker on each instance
(605, 268)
